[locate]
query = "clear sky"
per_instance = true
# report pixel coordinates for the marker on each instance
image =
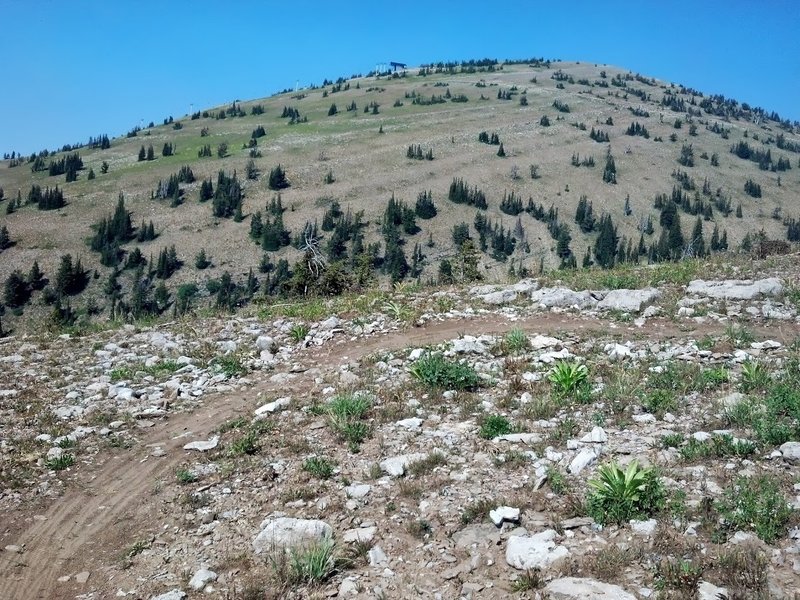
(88, 67)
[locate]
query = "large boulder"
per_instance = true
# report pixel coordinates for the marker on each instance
(535, 551)
(583, 588)
(288, 532)
(629, 300)
(736, 289)
(563, 298)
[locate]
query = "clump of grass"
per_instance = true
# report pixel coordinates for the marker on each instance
(617, 496)
(298, 332)
(435, 371)
(779, 419)
(738, 335)
(345, 415)
(494, 426)
(477, 511)
(229, 365)
(672, 440)
(310, 564)
(745, 571)
(755, 376)
(247, 443)
(556, 480)
(530, 580)
(756, 504)
(718, 446)
(185, 476)
(567, 377)
(427, 464)
(679, 575)
(659, 402)
(320, 467)
(59, 463)
(514, 342)
(419, 528)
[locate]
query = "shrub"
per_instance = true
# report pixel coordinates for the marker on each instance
(493, 426)
(618, 496)
(757, 504)
(345, 414)
(319, 467)
(567, 377)
(436, 371)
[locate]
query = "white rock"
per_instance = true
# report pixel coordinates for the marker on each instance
(330, 323)
(629, 300)
(617, 351)
(583, 588)
(357, 491)
(708, 591)
(203, 445)
(271, 407)
(289, 532)
(416, 353)
(201, 578)
(175, 594)
(499, 297)
(582, 460)
(534, 552)
(348, 587)
(468, 345)
(540, 342)
(791, 451)
(412, 424)
(563, 298)
(736, 289)
(597, 436)
(396, 465)
(504, 513)
(519, 438)
(644, 528)
(377, 556)
(766, 345)
(264, 343)
(359, 534)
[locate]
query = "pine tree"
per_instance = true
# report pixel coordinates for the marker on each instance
(501, 151)
(151, 155)
(142, 154)
(697, 243)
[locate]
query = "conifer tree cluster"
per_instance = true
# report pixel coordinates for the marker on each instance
(68, 165)
(415, 152)
(268, 230)
(228, 197)
(511, 204)
(460, 193)
(111, 232)
(637, 128)
(425, 207)
(485, 138)
(49, 199)
(277, 179)
(584, 215)
(598, 135)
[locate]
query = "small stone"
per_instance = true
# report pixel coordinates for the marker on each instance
(708, 591)
(532, 552)
(82, 577)
(583, 588)
(377, 556)
(504, 513)
(201, 578)
(582, 460)
(396, 465)
(348, 587)
(175, 594)
(203, 445)
(597, 436)
(643, 528)
(791, 451)
(359, 534)
(357, 491)
(14, 548)
(272, 407)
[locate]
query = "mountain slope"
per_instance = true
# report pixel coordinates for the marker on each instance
(369, 167)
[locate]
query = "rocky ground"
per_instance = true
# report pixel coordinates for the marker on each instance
(252, 457)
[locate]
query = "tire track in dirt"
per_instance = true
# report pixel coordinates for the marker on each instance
(108, 506)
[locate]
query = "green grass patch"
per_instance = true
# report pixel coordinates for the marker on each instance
(435, 371)
(756, 504)
(494, 426)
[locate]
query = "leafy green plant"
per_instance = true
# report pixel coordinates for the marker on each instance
(298, 332)
(59, 463)
(493, 426)
(529, 580)
(755, 376)
(680, 575)
(757, 504)
(319, 467)
(718, 446)
(556, 480)
(672, 440)
(247, 443)
(399, 311)
(515, 341)
(617, 496)
(229, 365)
(715, 377)
(779, 421)
(566, 377)
(659, 402)
(345, 414)
(436, 371)
(185, 476)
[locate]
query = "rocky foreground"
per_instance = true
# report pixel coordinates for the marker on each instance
(249, 457)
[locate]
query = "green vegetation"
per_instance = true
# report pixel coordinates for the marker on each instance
(756, 504)
(493, 426)
(617, 496)
(346, 414)
(319, 467)
(435, 371)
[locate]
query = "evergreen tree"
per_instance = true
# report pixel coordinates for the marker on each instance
(610, 170)
(425, 208)
(201, 261)
(35, 278)
(277, 179)
(142, 154)
(697, 243)
(605, 249)
(16, 291)
(151, 155)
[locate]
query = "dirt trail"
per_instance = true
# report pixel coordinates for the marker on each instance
(111, 504)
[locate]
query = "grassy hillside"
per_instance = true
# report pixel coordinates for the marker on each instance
(365, 152)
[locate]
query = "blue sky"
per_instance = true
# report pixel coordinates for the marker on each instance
(88, 67)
